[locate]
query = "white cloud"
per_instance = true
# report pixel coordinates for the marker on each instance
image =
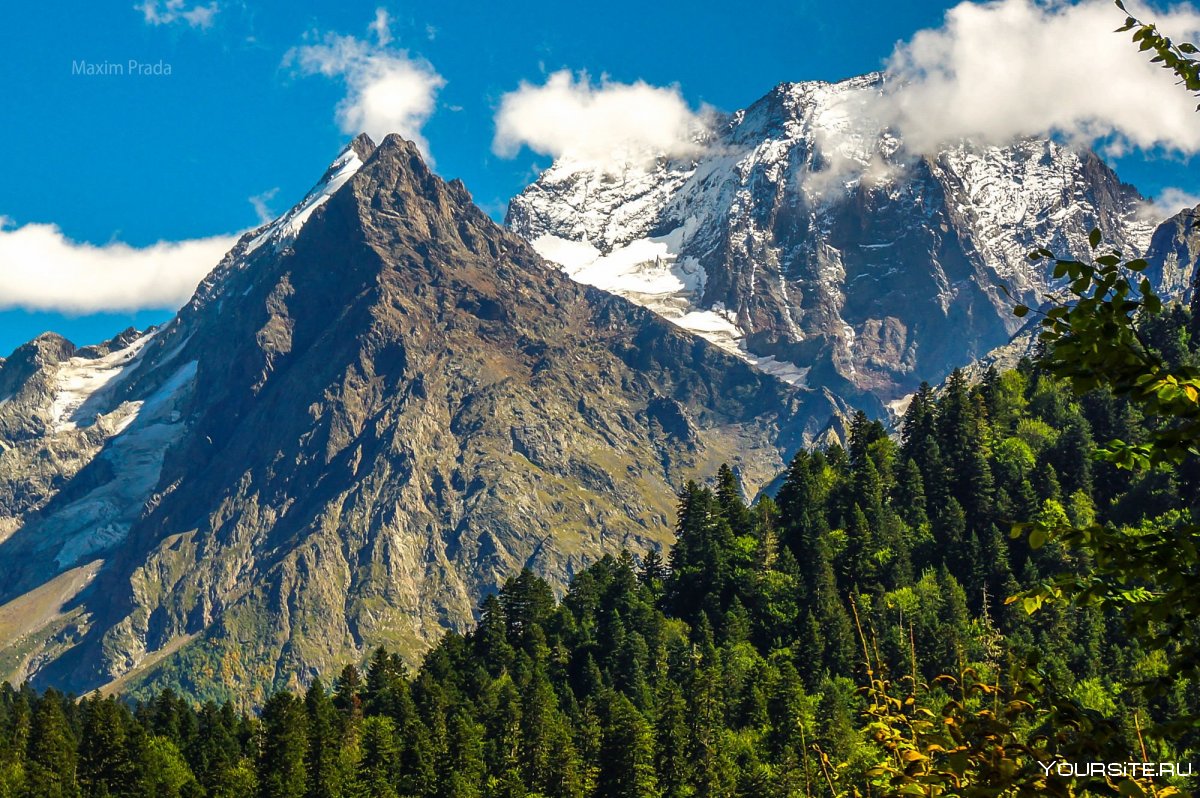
(41, 269)
(388, 91)
(608, 125)
(382, 27)
(261, 207)
(164, 12)
(995, 71)
(1169, 202)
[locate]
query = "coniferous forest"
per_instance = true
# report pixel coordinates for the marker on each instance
(852, 635)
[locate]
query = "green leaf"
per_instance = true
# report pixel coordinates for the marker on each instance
(1037, 538)
(1094, 237)
(1021, 311)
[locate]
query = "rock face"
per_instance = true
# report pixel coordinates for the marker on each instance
(373, 412)
(1174, 254)
(811, 242)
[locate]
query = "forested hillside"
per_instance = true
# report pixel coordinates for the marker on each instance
(762, 659)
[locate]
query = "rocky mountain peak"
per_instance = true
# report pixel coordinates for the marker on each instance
(396, 180)
(810, 242)
(47, 349)
(376, 409)
(362, 145)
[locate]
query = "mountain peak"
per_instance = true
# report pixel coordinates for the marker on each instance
(362, 145)
(360, 429)
(396, 148)
(397, 181)
(808, 239)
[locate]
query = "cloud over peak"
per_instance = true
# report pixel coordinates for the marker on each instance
(608, 123)
(387, 90)
(1000, 70)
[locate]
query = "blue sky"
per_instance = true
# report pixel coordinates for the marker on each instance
(146, 159)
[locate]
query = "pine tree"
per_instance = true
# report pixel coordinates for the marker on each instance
(627, 752)
(527, 602)
(539, 730)
(702, 571)
(490, 638)
(672, 752)
(105, 765)
(503, 749)
(462, 770)
(707, 712)
(729, 501)
(861, 571)
(322, 757)
(919, 425)
(377, 767)
(50, 772)
(653, 573)
(799, 504)
(347, 696)
(216, 755)
(282, 748)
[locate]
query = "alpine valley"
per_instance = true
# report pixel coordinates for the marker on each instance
(383, 405)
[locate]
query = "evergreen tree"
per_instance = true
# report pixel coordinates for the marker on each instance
(51, 759)
(322, 758)
(462, 771)
(378, 765)
(729, 501)
(105, 765)
(282, 748)
(626, 753)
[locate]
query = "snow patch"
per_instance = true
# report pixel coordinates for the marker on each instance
(146, 429)
(898, 407)
(285, 229)
(649, 272)
(648, 267)
(81, 382)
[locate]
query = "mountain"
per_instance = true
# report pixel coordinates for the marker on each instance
(372, 413)
(1173, 255)
(808, 240)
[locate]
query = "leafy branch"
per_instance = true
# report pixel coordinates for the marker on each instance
(1093, 340)
(1175, 57)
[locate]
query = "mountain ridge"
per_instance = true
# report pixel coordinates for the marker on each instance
(366, 427)
(381, 405)
(756, 243)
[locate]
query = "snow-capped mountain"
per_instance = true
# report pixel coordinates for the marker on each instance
(381, 405)
(372, 413)
(810, 242)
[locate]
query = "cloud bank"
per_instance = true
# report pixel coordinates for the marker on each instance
(608, 123)
(165, 12)
(41, 269)
(1000, 70)
(387, 90)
